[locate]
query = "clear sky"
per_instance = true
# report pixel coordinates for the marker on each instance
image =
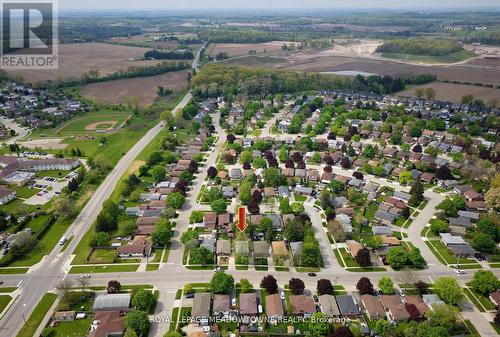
(273, 4)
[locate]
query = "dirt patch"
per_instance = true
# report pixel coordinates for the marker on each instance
(239, 49)
(77, 59)
(45, 143)
(104, 125)
(139, 91)
(454, 92)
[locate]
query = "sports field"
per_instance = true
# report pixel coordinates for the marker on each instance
(107, 121)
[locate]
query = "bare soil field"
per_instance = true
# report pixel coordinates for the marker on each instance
(140, 90)
(108, 125)
(77, 59)
(309, 61)
(453, 92)
(45, 143)
(239, 49)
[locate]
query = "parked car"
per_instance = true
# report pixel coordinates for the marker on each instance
(315, 298)
(312, 274)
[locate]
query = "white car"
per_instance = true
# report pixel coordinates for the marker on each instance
(459, 271)
(282, 295)
(85, 276)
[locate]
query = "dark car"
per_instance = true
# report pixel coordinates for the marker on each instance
(190, 295)
(315, 298)
(318, 308)
(312, 274)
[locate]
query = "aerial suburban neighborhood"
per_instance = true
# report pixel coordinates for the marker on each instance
(253, 170)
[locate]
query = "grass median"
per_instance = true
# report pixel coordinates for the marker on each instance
(36, 317)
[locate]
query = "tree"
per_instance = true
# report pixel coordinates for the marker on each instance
(245, 285)
(430, 93)
(273, 177)
(386, 286)
(162, 233)
(138, 321)
(219, 206)
(485, 282)
(294, 231)
(343, 331)
(325, 287)
(132, 333)
(448, 289)
(25, 243)
(417, 190)
(175, 200)
(413, 311)
(296, 286)
(467, 99)
(221, 283)
(439, 226)
(319, 325)
(485, 225)
(172, 333)
(443, 316)
(448, 207)
(365, 286)
(345, 163)
(270, 284)
(113, 287)
(421, 287)
(211, 172)
(363, 257)
(443, 173)
(483, 242)
(419, 92)
(100, 239)
(381, 327)
(202, 255)
(143, 300)
(311, 255)
(396, 257)
(64, 286)
(416, 258)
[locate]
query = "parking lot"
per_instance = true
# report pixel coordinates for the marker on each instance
(49, 188)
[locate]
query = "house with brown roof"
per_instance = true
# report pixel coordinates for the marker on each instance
(495, 297)
(302, 305)
(248, 304)
(221, 305)
(106, 324)
(269, 192)
(418, 302)
(61, 316)
(394, 307)
(373, 308)
(134, 250)
(210, 220)
(329, 305)
(354, 247)
(147, 220)
(389, 240)
(274, 307)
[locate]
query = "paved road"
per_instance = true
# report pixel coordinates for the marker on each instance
(11, 124)
(51, 270)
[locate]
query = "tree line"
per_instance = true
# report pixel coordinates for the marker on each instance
(156, 54)
(435, 47)
(216, 80)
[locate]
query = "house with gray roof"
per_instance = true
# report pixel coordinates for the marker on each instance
(112, 302)
(347, 306)
(402, 195)
(329, 305)
(296, 248)
(283, 191)
(201, 308)
(469, 215)
(382, 230)
(449, 239)
(384, 217)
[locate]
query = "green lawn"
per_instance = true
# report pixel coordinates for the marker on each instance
(13, 270)
(36, 317)
(444, 255)
(299, 197)
(101, 256)
(4, 300)
(482, 302)
(472, 328)
(117, 268)
(76, 328)
(7, 289)
(24, 192)
(79, 123)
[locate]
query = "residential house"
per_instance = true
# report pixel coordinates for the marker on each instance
(201, 308)
(394, 307)
(329, 305)
(210, 220)
(221, 305)
(6, 195)
(274, 307)
(302, 305)
(107, 324)
(108, 302)
(135, 250)
(347, 306)
(373, 308)
(248, 304)
(418, 302)
(431, 300)
(223, 248)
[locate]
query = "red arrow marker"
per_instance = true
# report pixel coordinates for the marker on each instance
(242, 219)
